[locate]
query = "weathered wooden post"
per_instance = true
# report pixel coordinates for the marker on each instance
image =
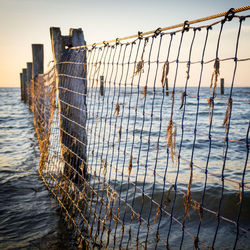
(72, 90)
(37, 66)
(24, 80)
(222, 86)
(21, 82)
(38, 58)
(29, 78)
(101, 86)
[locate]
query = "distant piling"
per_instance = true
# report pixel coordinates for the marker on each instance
(38, 60)
(24, 81)
(22, 87)
(166, 86)
(222, 86)
(29, 80)
(29, 71)
(102, 85)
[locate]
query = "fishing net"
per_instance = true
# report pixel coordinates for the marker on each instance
(138, 150)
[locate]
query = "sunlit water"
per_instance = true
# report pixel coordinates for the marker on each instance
(29, 218)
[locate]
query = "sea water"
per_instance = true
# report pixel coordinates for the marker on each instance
(218, 166)
(29, 217)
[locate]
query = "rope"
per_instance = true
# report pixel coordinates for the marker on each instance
(143, 34)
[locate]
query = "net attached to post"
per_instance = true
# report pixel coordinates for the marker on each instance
(156, 157)
(43, 90)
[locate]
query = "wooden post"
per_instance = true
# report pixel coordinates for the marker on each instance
(29, 71)
(24, 80)
(37, 66)
(101, 86)
(166, 85)
(38, 58)
(222, 86)
(21, 81)
(29, 78)
(72, 106)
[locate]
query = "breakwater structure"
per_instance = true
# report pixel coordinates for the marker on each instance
(137, 144)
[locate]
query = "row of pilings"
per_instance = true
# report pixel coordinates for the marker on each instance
(29, 73)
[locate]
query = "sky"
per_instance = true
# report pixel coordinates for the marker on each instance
(24, 22)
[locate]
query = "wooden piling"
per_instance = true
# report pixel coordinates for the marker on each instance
(76, 111)
(102, 85)
(22, 90)
(37, 67)
(166, 86)
(222, 86)
(29, 78)
(38, 59)
(29, 71)
(24, 80)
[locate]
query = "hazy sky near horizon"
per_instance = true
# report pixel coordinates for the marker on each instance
(24, 22)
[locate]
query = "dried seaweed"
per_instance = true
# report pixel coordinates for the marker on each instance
(197, 206)
(157, 214)
(216, 73)
(139, 67)
(182, 99)
(170, 135)
(140, 64)
(228, 114)
(188, 194)
(104, 165)
(117, 109)
(119, 134)
(210, 104)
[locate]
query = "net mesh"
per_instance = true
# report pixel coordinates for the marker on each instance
(137, 151)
